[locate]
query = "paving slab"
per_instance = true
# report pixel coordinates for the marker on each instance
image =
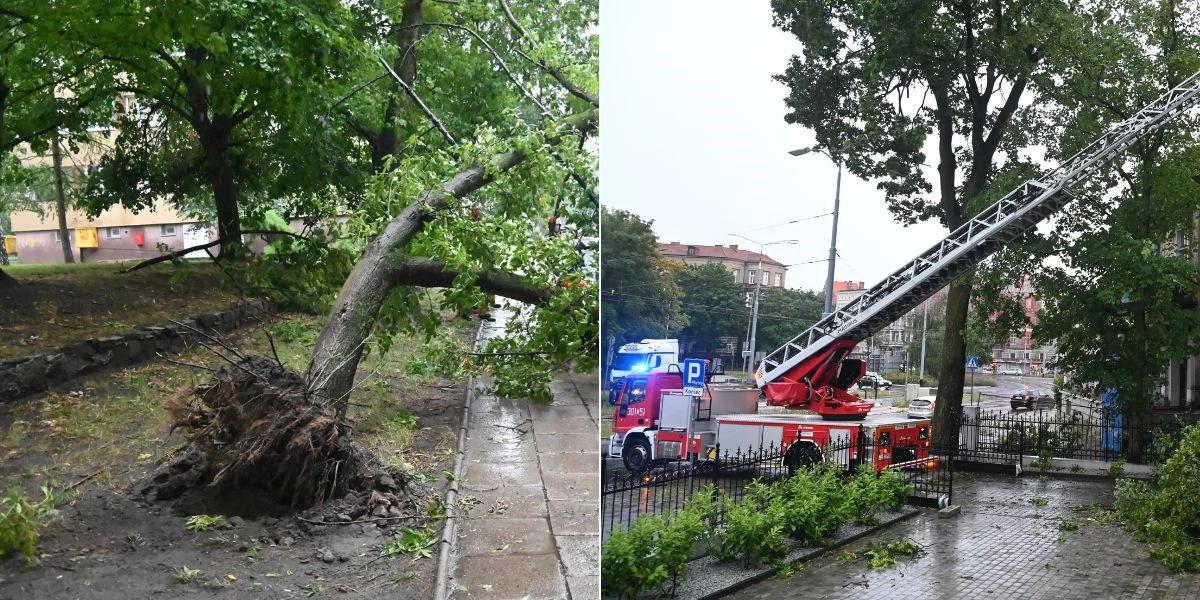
(510, 577)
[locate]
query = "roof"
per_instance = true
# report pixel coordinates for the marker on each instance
(731, 252)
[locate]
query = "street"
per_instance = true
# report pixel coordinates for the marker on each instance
(1007, 543)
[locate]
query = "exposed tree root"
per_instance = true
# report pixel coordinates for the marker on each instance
(256, 433)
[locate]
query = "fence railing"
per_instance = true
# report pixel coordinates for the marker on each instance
(996, 436)
(668, 487)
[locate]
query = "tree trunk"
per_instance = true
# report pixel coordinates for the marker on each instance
(60, 198)
(223, 184)
(352, 317)
(6, 279)
(953, 358)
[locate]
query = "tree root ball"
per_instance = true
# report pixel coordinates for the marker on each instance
(257, 433)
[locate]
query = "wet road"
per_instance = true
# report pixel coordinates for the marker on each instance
(1003, 545)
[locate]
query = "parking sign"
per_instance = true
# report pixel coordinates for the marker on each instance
(693, 376)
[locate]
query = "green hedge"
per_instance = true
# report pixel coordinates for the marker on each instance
(1167, 515)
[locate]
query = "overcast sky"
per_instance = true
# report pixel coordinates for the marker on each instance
(694, 138)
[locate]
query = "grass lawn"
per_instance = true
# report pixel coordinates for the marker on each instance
(55, 305)
(117, 423)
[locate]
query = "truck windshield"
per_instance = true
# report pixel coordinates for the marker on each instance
(631, 362)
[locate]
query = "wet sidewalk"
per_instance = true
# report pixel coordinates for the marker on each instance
(1007, 543)
(530, 486)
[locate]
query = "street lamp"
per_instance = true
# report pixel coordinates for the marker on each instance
(758, 277)
(837, 198)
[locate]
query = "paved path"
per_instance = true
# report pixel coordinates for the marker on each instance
(1002, 546)
(532, 487)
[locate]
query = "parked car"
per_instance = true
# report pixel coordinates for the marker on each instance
(1011, 371)
(921, 407)
(1031, 399)
(871, 381)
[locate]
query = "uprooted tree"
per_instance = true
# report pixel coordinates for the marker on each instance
(514, 218)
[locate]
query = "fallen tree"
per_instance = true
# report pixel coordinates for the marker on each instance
(260, 426)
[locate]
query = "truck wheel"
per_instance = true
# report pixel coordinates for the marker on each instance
(636, 454)
(800, 456)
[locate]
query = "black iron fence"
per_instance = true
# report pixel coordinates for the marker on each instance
(668, 487)
(1003, 437)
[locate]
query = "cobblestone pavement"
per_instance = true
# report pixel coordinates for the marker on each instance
(1002, 546)
(531, 480)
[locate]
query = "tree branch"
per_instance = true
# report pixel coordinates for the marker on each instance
(430, 272)
(170, 256)
(554, 72)
(352, 316)
(420, 103)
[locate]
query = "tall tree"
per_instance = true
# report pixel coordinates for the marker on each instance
(225, 101)
(51, 82)
(640, 297)
(1121, 301)
(878, 81)
(714, 305)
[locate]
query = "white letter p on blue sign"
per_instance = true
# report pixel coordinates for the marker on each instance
(693, 372)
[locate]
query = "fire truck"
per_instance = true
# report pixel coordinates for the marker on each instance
(655, 421)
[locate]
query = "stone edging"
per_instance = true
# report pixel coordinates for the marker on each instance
(449, 543)
(39, 372)
(706, 578)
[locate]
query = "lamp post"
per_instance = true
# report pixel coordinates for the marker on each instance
(837, 200)
(748, 361)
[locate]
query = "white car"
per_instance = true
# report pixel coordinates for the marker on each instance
(921, 407)
(1011, 372)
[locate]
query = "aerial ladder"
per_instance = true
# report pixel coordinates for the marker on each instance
(812, 369)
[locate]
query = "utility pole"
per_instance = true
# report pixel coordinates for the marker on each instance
(837, 200)
(758, 277)
(754, 314)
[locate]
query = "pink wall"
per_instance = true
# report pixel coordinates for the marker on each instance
(41, 247)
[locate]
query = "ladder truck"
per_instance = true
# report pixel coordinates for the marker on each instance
(655, 421)
(812, 371)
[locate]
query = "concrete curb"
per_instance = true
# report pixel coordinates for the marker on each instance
(20, 377)
(450, 529)
(732, 577)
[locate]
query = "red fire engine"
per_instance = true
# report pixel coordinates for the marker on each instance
(654, 420)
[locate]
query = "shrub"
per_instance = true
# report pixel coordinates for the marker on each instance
(627, 561)
(18, 526)
(1168, 516)
(867, 493)
(754, 529)
(653, 553)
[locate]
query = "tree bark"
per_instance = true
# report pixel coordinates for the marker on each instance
(223, 184)
(60, 197)
(352, 317)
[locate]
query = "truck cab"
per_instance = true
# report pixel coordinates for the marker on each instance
(646, 356)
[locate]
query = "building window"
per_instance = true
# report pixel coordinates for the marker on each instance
(167, 230)
(750, 276)
(112, 232)
(57, 235)
(779, 280)
(737, 273)
(691, 251)
(766, 278)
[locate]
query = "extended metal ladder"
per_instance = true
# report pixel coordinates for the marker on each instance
(1007, 219)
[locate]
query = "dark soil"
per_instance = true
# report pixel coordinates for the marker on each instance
(53, 305)
(111, 541)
